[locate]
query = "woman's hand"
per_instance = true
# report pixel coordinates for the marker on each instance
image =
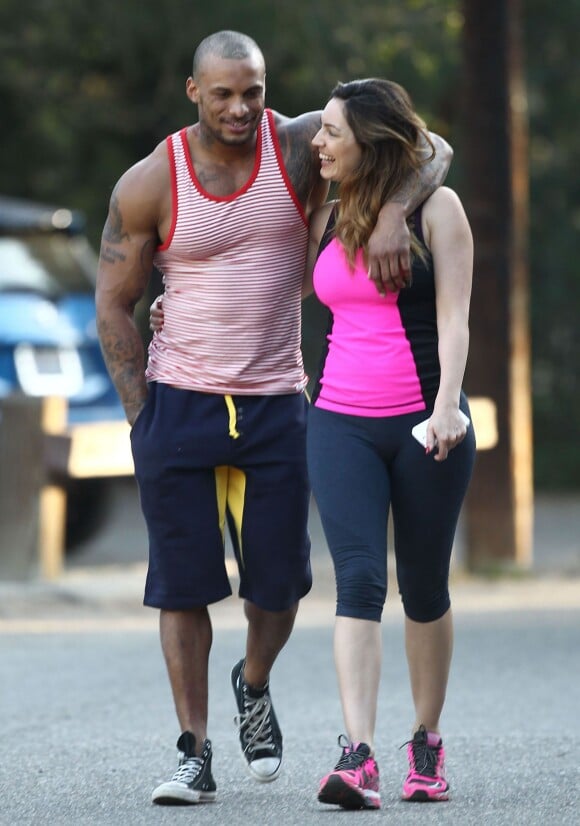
(156, 314)
(446, 429)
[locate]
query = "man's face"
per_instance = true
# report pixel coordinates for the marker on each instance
(230, 98)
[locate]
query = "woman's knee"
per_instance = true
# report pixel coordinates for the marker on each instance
(360, 599)
(425, 606)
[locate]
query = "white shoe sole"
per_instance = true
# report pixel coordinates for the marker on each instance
(175, 794)
(262, 776)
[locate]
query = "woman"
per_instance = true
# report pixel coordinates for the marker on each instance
(390, 362)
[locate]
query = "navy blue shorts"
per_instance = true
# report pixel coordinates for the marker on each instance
(203, 459)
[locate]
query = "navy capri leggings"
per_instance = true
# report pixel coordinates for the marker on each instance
(360, 468)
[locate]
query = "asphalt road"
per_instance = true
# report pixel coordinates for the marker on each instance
(88, 727)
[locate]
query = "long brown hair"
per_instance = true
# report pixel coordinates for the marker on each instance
(393, 139)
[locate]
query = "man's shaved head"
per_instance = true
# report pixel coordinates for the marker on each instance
(227, 45)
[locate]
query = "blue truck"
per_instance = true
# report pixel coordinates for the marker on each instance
(49, 348)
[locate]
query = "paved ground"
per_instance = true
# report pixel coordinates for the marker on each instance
(88, 725)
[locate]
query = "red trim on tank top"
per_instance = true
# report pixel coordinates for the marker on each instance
(173, 177)
(197, 183)
(282, 166)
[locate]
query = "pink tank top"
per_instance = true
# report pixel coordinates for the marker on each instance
(369, 368)
(232, 269)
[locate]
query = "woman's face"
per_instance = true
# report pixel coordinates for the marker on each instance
(338, 149)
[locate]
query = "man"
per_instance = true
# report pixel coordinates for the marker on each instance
(218, 418)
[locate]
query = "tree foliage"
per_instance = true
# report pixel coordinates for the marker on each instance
(554, 99)
(88, 89)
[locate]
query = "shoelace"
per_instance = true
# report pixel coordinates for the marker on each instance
(349, 759)
(188, 770)
(254, 723)
(424, 757)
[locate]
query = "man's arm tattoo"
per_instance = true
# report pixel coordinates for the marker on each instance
(110, 255)
(113, 231)
(124, 356)
(418, 187)
(299, 158)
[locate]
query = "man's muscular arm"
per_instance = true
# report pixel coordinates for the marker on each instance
(301, 158)
(389, 245)
(125, 264)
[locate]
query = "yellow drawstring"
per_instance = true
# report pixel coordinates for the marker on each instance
(232, 417)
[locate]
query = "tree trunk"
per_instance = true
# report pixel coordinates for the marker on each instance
(499, 506)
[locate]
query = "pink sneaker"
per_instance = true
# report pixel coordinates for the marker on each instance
(354, 783)
(426, 779)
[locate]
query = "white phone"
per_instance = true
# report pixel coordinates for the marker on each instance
(420, 430)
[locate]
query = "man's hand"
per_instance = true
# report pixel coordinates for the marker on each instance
(389, 250)
(133, 411)
(156, 317)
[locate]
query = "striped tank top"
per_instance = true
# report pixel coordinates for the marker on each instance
(232, 269)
